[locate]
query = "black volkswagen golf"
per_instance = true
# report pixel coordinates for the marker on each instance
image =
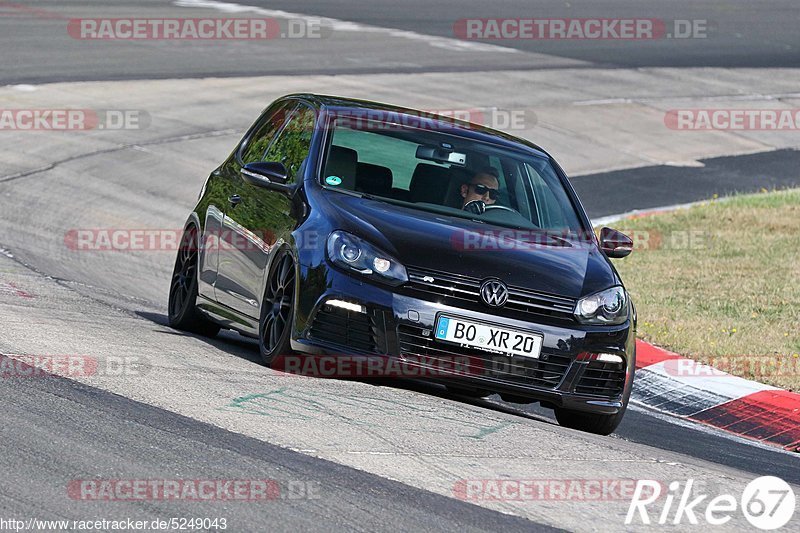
(346, 228)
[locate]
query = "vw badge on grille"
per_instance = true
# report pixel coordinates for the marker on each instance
(494, 293)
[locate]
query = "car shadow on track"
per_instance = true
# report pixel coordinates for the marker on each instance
(232, 343)
(227, 340)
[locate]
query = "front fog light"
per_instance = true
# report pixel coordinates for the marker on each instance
(349, 306)
(610, 358)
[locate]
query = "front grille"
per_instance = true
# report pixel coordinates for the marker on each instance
(345, 328)
(464, 291)
(546, 372)
(602, 379)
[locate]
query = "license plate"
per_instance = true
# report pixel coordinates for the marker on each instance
(489, 338)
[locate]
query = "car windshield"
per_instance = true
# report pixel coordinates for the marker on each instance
(442, 172)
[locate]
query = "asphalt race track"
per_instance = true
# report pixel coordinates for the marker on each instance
(740, 34)
(196, 450)
(379, 455)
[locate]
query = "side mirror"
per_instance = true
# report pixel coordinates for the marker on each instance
(614, 243)
(269, 175)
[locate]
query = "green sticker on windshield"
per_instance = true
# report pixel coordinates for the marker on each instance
(333, 180)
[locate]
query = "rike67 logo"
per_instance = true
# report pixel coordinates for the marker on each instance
(767, 503)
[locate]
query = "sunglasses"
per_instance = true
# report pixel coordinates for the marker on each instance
(481, 189)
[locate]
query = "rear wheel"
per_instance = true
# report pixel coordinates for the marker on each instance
(183, 289)
(277, 309)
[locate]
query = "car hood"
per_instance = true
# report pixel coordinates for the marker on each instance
(532, 260)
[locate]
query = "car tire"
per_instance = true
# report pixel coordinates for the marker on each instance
(277, 309)
(591, 422)
(182, 312)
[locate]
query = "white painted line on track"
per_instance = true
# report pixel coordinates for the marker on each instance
(611, 219)
(447, 43)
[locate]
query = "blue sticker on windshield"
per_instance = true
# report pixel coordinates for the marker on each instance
(333, 180)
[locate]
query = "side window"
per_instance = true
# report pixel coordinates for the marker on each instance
(294, 141)
(553, 204)
(519, 197)
(494, 162)
(265, 132)
(504, 198)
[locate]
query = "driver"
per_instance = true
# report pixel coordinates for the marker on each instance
(481, 190)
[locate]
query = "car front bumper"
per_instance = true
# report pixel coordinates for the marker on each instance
(380, 321)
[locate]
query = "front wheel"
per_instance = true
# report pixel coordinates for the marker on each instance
(183, 289)
(594, 423)
(589, 422)
(277, 309)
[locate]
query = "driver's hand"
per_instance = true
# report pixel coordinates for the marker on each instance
(476, 206)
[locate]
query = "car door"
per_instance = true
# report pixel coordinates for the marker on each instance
(261, 217)
(229, 238)
(212, 200)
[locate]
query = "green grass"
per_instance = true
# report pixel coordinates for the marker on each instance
(720, 283)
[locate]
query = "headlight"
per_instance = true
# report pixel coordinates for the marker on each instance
(350, 252)
(609, 307)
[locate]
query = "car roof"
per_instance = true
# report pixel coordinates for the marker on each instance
(465, 129)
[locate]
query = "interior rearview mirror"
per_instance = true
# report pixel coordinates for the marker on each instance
(441, 155)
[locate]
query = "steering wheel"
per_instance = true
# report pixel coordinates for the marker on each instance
(479, 207)
(503, 207)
